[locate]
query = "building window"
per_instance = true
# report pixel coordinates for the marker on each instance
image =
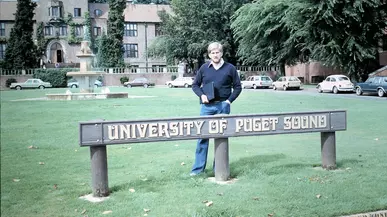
(78, 30)
(131, 50)
(158, 29)
(131, 29)
(77, 12)
(97, 31)
(2, 51)
(54, 11)
(2, 29)
(97, 12)
(48, 30)
(63, 30)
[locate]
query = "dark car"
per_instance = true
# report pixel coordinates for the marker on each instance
(377, 84)
(139, 82)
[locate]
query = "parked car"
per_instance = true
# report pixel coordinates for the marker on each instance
(335, 84)
(73, 83)
(257, 81)
(139, 82)
(181, 82)
(31, 83)
(287, 82)
(376, 84)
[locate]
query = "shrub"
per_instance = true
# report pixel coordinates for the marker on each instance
(9, 81)
(242, 77)
(124, 79)
(173, 77)
(57, 77)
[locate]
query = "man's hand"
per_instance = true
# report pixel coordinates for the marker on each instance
(228, 101)
(204, 99)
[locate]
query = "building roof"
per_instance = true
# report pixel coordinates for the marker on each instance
(144, 13)
(7, 10)
(375, 73)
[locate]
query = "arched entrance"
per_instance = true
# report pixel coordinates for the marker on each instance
(56, 52)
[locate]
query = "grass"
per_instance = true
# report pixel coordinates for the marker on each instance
(277, 175)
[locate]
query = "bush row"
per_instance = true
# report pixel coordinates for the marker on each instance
(57, 77)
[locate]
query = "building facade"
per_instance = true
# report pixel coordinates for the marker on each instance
(63, 27)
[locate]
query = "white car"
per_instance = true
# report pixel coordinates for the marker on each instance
(335, 84)
(181, 82)
(257, 81)
(287, 82)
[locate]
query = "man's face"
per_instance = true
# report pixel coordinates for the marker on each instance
(215, 55)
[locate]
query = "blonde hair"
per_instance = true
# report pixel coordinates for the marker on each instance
(215, 45)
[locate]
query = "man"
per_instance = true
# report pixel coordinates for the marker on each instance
(227, 87)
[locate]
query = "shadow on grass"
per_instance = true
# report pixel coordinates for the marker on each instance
(247, 164)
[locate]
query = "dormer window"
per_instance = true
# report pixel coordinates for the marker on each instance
(97, 13)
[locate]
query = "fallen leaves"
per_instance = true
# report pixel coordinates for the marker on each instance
(32, 147)
(16, 180)
(270, 214)
(182, 163)
(318, 196)
(146, 210)
(132, 190)
(83, 212)
(107, 212)
(55, 186)
(209, 203)
(255, 198)
(41, 163)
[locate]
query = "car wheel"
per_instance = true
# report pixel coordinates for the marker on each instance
(319, 89)
(359, 91)
(41, 87)
(170, 85)
(74, 86)
(380, 92)
(128, 86)
(335, 90)
(95, 86)
(274, 87)
(18, 87)
(285, 88)
(254, 86)
(145, 85)
(186, 85)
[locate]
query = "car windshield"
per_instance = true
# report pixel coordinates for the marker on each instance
(343, 79)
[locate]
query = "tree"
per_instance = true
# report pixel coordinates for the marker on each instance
(193, 25)
(343, 34)
(115, 29)
(21, 52)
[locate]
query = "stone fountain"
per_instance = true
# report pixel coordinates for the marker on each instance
(86, 79)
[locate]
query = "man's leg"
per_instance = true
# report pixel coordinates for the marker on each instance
(202, 144)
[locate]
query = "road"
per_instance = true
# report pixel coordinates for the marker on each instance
(313, 92)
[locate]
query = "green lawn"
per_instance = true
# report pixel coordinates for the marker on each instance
(277, 175)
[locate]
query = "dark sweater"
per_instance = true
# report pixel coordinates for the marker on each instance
(225, 79)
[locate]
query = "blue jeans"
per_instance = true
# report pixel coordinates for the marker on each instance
(202, 144)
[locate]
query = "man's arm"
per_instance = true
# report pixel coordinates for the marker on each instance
(237, 88)
(197, 83)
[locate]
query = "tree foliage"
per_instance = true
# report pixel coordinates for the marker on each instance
(343, 34)
(111, 46)
(193, 25)
(21, 52)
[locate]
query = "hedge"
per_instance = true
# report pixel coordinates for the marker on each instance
(57, 77)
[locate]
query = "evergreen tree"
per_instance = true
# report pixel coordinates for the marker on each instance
(21, 52)
(115, 31)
